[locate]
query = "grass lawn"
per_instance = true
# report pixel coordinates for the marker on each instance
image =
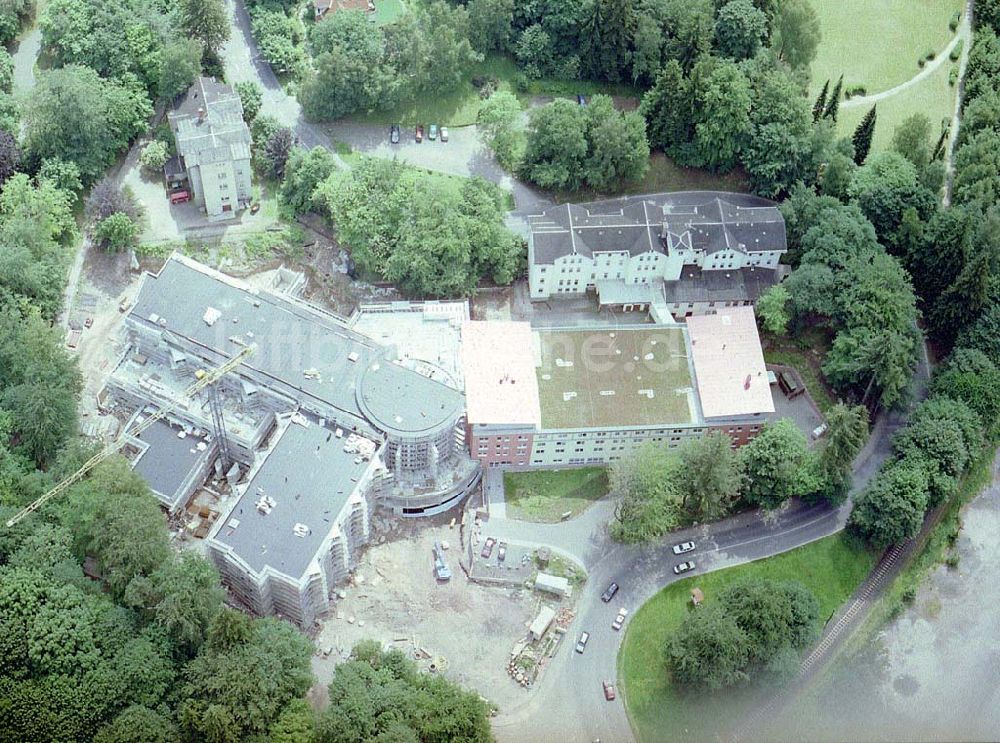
(545, 495)
(461, 106)
(814, 704)
(666, 175)
(831, 568)
(876, 43)
(932, 97)
(386, 11)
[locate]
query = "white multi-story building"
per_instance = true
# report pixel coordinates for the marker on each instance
(642, 249)
(213, 149)
(576, 396)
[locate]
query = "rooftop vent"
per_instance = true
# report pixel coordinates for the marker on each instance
(301, 530)
(211, 315)
(266, 504)
(353, 356)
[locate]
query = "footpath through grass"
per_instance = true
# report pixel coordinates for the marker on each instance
(832, 568)
(876, 43)
(545, 495)
(933, 97)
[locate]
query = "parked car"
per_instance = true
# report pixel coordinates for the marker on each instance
(432, 134)
(88, 323)
(620, 619)
(609, 691)
(418, 133)
(444, 134)
(609, 593)
(683, 567)
(581, 644)
(680, 549)
(488, 547)
(394, 134)
(502, 552)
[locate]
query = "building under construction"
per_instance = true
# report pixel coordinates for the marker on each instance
(315, 428)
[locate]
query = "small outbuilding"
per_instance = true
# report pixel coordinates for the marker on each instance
(541, 624)
(553, 584)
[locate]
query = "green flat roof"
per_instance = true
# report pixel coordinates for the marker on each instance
(614, 378)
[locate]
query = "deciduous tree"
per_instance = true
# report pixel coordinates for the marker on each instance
(740, 30)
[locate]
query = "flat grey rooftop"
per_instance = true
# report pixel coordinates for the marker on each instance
(168, 462)
(292, 339)
(311, 478)
(742, 284)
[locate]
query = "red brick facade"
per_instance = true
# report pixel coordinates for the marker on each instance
(740, 433)
(501, 449)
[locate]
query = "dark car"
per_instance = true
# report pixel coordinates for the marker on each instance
(488, 547)
(683, 567)
(418, 133)
(581, 99)
(609, 593)
(394, 134)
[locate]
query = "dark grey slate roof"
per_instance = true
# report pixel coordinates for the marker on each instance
(168, 462)
(208, 124)
(696, 285)
(291, 338)
(310, 477)
(706, 220)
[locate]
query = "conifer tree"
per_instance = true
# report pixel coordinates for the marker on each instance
(862, 137)
(833, 102)
(820, 105)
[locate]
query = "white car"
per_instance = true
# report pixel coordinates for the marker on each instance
(581, 644)
(620, 619)
(680, 549)
(683, 567)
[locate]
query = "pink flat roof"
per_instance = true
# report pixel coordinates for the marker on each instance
(499, 363)
(729, 364)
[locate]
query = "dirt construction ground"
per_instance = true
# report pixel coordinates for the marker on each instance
(466, 628)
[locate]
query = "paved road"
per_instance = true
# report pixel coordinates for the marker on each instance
(24, 58)
(243, 63)
(567, 704)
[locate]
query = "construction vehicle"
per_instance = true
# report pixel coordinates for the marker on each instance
(441, 569)
(205, 378)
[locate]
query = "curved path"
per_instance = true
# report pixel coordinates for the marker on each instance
(567, 704)
(963, 34)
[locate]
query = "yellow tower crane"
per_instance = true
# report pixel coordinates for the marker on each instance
(204, 379)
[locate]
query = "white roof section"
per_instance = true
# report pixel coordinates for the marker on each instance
(556, 584)
(729, 364)
(541, 623)
(500, 383)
